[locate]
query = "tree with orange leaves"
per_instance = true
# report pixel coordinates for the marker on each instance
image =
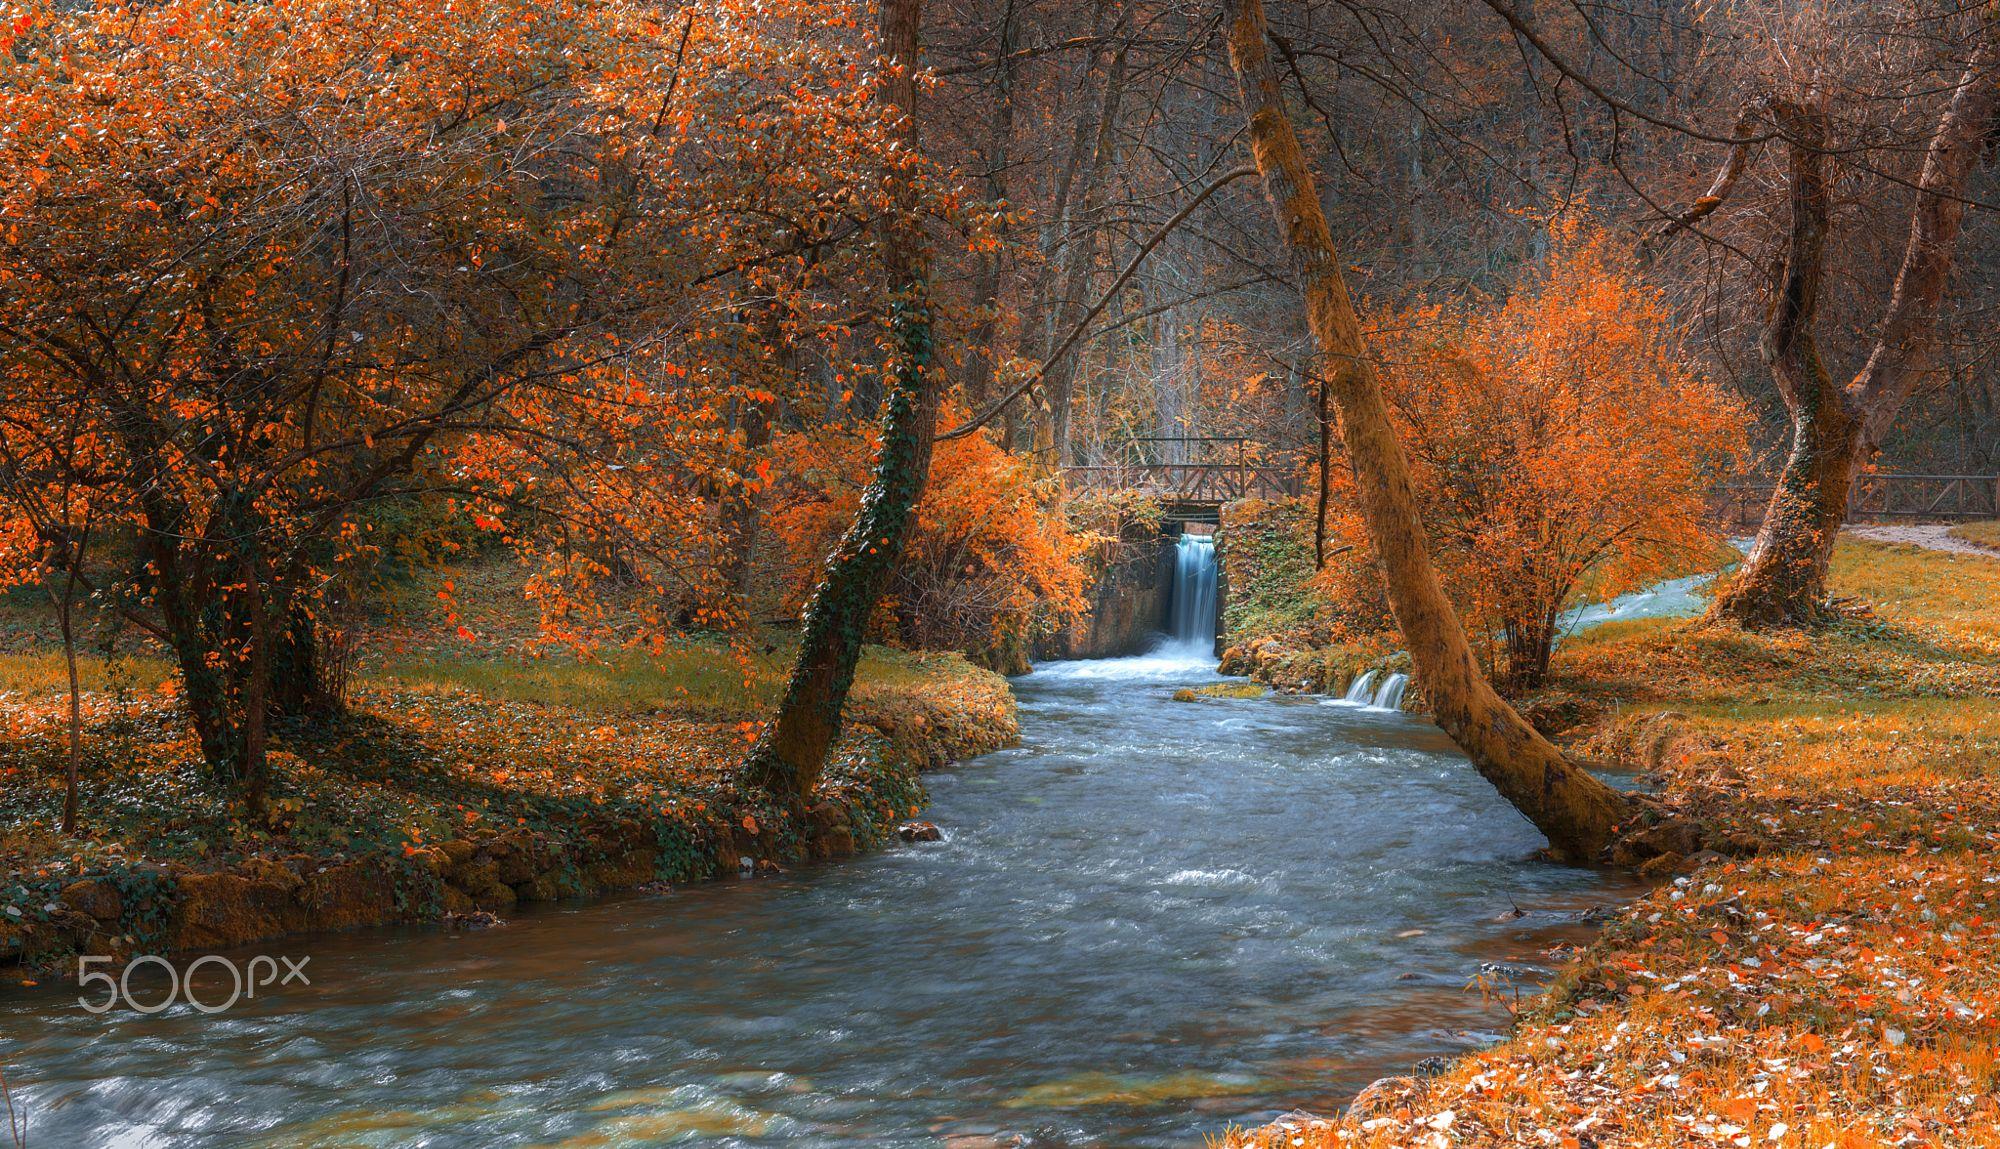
(1557, 438)
(282, 263)
(992, 559)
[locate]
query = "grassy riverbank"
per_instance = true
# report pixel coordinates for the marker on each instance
(465, 776)
(1838, 988)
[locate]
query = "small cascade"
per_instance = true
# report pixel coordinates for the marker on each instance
(1362, 688)
(1390, 697)
(1193, 619)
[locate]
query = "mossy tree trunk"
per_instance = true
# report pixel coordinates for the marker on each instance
(1836, 429)
(1579, 814)
(1784, 579)
(789, 756)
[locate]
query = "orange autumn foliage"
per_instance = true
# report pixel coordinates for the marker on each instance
(1558, 442)
(993, 559)
(267, 270)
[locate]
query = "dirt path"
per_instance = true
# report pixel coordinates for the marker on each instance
(1932, 537)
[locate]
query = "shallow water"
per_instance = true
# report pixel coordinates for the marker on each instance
(1675, 598)
(1148, 921)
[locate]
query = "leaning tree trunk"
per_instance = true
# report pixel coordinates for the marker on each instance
(1783, 581)
(1579, 814)
(788, 757)
(1834, 430)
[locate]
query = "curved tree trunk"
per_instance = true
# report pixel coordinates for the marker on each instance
(1905, 349)
(1579, 814)
(1784, 579)
(788, 757)
(1834, 429)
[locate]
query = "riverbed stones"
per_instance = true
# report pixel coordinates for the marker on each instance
(919, 832)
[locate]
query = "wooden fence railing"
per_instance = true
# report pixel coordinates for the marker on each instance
(1882, 496)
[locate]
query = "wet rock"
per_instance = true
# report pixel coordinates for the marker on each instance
(919, 832)
(475, 920)
(225, 909)
(1385, 1095)
(620, 872)
(541, 888)
(342, 897)
(99, 900)
(517, 867)
(1660, 866)
(494, 897)
(1184, 694)
(473, 877)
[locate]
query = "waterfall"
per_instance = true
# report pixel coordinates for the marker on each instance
(1361, 689)
(1193, 618)
(1390, 697)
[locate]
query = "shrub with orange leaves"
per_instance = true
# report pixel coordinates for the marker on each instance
(1557, 441)
(993, 560)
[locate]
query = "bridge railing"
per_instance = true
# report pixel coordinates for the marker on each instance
(1880, 496)
(1187, 482)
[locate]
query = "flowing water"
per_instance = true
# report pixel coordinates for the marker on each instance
(1363, 692)
(1192, 617)
(1149, 920)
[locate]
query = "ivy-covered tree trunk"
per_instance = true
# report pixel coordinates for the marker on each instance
(789, 756)
(213, 613)
(1579, 814)
(303, 682)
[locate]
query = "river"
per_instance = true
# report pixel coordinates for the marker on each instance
(1150, 919)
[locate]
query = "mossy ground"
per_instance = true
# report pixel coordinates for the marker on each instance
(1276, 627)
(1840, 987)
(448, 738)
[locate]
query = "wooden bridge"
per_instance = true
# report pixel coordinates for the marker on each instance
(1192, 477)
(1881, 497)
